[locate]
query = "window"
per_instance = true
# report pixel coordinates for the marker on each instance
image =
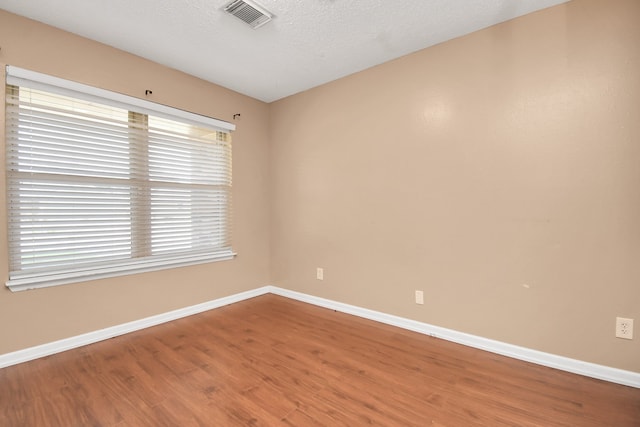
(100, 184)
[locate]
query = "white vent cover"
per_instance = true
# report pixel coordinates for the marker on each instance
(248, 12)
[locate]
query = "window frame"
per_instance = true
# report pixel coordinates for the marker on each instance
(21, 280)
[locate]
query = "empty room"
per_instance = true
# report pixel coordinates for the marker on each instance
(320, 213)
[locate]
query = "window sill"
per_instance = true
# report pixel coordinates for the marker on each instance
(45, 280)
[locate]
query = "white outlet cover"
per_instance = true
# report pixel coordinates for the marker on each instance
(624, 328)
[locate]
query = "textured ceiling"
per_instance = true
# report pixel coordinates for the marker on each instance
(310, 42)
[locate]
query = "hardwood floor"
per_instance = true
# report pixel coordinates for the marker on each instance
(270, 361)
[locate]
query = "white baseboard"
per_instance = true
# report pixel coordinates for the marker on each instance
(593, 370)
(43, 350)
(606, 373)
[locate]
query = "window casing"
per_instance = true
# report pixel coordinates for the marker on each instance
(98, 187)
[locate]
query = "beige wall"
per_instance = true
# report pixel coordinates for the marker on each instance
(39, 316)
(506, 158)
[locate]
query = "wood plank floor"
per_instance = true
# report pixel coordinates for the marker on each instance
(270, 361)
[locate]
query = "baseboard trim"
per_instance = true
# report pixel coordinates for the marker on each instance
(593, 370)
(48, 349)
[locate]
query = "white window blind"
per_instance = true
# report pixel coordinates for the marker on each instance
(100, 184)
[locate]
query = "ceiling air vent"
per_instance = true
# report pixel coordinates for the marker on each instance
(248, 12)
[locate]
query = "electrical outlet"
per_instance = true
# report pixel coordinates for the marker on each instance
(419, 297)
(320, 273)
(624, 328)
